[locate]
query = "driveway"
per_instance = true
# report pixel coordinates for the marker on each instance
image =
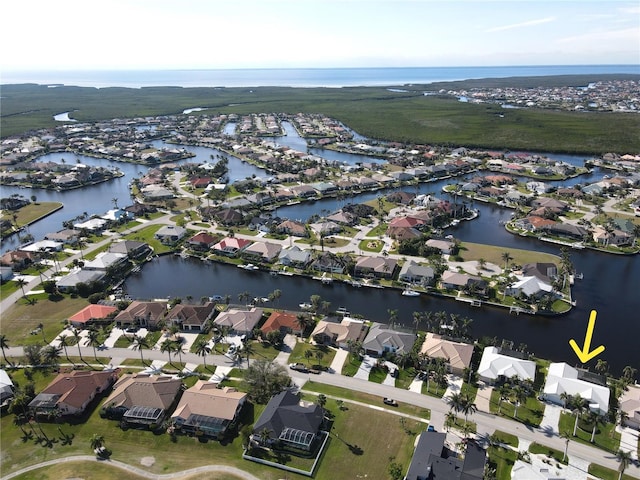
(365, 367)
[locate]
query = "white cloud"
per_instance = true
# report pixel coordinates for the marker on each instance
(529, 23)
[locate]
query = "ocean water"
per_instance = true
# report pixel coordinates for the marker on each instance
(303, 77)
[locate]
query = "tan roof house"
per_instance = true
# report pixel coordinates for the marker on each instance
(240, 321)
(262, 251)
(630, 404)
(379, 267)
(457, 354)
(339, 334)
(71, 393)
(142, 398)
(208, 409)
(144, 314)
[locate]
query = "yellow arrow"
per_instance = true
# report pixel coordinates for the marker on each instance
(583, 353)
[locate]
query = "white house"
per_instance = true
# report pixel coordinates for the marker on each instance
(563, 378)
(630, 404)
(494, 364)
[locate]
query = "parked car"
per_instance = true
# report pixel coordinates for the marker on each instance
(390, 401)
(315, 371)
(298, 367)
(431, 428)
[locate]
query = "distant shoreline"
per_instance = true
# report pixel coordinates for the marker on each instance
(300, 77)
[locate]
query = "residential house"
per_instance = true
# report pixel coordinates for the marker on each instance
(90, 314)
(445, 246)
(208, 409)
(291, 227)
(170, 234)
(6, 389)
(289, 421)
(329, 262)
(614, 237)
(141, 313)
(294, 257)
(226, 216)
(381, 340)
(68, 236)
(494, 364)
(282, 322)
(303, 191)
(533, 223)
(239, 321)
(191, 317)
(415, 273)
(132, 248)
(630, 404)
(433, 460)
(339, 334)
(95, 225)
(17, 259)
(140, 398)
(71, 393)
(43, 246)
(457, 354)
(106, 261)
(459, 281)
(564, 379)
(544, 271)
(379, 267)
(343, 218)
(231, 246)
(568, 230)
(201, 241)
(325, 227)
(70, 281)
(529, 286)
(262, 251)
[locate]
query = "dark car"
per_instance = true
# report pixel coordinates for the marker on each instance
(390, 401)
(431, 428)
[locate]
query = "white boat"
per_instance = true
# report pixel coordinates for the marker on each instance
(305, 306)
(343, 311)
(249, 266)
(407, 292)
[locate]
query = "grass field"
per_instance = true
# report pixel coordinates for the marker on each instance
(32, 212)
(492, 254)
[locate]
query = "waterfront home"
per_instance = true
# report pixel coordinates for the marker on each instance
(533, 223)
(191, 317)
(43, 246)
(170, 234)
(378, 267)
(433, 459)
(495, 364)
(106, 261)
(614, 237)
(574, 232)
(230, 246)
(303, 191)
(545, 271)
(381, 340)
(289, 421)
(91, 314)
(202, 241)
(71, 393)
(329, 331)
(456, 354)
(70, 281)
(460, 281)
(205, 409)
(294, 257)
(564, 379)
(141, 313)
(415, 273)
(282, 322)
(630, 404)
(17, 259)
(140, 398)
(69, 236)
(329, 262)
(528, 285)
(325, 227)
(116, 215)
(132, 248)
(342, 217)
(95, 225)
(156, 192)
(445, 246)
(241, 322)
(262, 251)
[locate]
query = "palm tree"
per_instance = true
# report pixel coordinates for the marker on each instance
(322, 401)
(76, 335)
(275, 295)
(50, 355)
(449, 420)
(625, 459)
(567, 439)
(202, 348)
(455, 402)
(93, 340)
(503, 394)
(393, 317)
(64, 343)
(248, 349)
(308, 354)
(4, 343)
(167, 346)
(139, 343)
(244, 296)
(417, 318)
(96, 441)
(518, 396)
(602, 366)
(506, 257)
(264, 435)
(21, 282)
(579, 406)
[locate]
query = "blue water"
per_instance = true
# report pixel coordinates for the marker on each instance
(299, 77)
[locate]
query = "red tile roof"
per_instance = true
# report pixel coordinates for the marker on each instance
(91, 312)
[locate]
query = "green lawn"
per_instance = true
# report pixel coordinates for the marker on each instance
(31, 212)
(548, 451)
(377, 375)
(351, 366)
(606, 436)
(434, 390)
(606, 473)
(530, 413)
(297, 355)
(503, 459)
(493, 254)
(371, 245)
(506, 438)
(378, 230)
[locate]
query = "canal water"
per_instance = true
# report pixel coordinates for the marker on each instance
(610, 283)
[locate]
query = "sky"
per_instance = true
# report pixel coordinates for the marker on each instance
(222, 34)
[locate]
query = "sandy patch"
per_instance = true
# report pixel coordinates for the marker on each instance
(147, 461)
